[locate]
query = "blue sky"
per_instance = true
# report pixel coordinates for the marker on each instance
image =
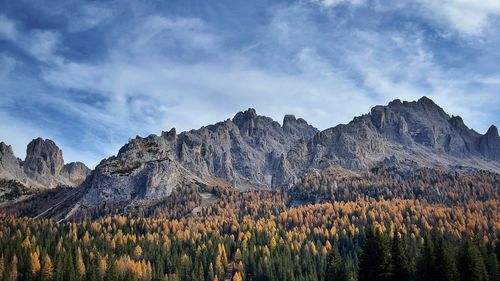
(91, 74)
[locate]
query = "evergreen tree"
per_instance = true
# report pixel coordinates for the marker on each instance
(400, 262)
(2, 267)
(375, 258)
(335, 268)
(35, 265)
(13, 270)
(80, 264)
(48, 269)
(471, 263)
(445, 265)
(493, 267)
(425, 267)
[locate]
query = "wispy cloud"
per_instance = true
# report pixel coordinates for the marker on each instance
(469, 17)
(325, 61)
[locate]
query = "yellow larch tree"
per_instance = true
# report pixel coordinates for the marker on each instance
(48, 268)
(35, 263)
(80, 265)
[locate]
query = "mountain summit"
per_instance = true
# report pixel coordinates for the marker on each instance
(254, 152)
(43, 166)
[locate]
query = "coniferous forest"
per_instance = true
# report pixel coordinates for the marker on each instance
(260, 236)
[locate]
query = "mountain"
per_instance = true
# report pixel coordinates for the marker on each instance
(253, 152)
(417, 131)
(43, 167)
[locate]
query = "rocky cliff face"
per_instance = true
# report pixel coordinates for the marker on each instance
(418, 131)
(489, 144)
(243, 152)
(254, 152)
(43, 166)
(75, 173)
(10, 166)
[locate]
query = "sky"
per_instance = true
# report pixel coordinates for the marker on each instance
(92, 74)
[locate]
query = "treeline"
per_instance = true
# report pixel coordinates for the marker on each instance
(387, 183)
(437, 256)
(225, 248)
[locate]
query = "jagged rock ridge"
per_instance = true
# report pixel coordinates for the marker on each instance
(43, 166)
(254, 152)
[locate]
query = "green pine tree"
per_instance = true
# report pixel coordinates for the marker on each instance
(375, 258)
(335, 268)
(471, 263)
(400, 262)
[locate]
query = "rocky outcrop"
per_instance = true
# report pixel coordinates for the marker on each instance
(75, 172)
(251, 151)
(418, 131)
(489, 144)
(243, 152)
(43, 166)
(10, 166)
(44, 162)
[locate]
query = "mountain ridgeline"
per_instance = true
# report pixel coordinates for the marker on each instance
(253, 152)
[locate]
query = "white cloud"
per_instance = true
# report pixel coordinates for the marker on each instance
(334, 3)
(41, 44)
(144, 85)
(7, 28)
(88, 16)
(470, 17)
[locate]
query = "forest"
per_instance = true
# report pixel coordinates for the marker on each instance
(422, 225)
(363, 240)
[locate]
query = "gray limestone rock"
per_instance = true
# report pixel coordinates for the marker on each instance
(251, 151)
(43, 166)
(44, 162)
(10, 166)
(75, 172)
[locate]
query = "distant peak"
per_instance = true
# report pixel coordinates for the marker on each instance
(289, 118)
(250, 112)
(426, 100)
(39, 141)
(492, 131)
(5, 148)
(41, 146)
(241, 117)
(457, 121)
(171, 135)
(395, 102)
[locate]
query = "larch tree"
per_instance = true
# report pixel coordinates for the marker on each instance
(2, 267)
(13, 270)
(80, 265)
(48, 268)
(103, 267)
(137, 252)
(237, 277)
(35, 264)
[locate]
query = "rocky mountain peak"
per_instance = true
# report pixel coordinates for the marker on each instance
(457, 123)
(10, 166)
(5, 149)
(243, 117)
(75, 172)
(424, 100)
(44, 157)
(170, 135)
(298, 127)
(489, 144)
(289, 119)
(492, 132)
(42, 167)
